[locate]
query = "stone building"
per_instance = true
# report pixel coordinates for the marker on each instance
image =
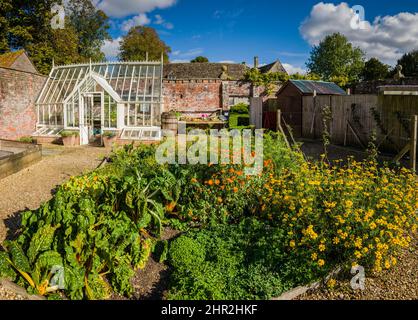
(20, 84)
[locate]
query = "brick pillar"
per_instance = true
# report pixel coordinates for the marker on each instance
(225, 95)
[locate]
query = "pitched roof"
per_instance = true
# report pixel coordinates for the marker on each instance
(188, 71)
(321, 87)
(8, 59)
(273, 67)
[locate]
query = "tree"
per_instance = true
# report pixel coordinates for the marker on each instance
(409, 63)
(142, 40)
(335, 59)
(27, 25)
(375, 70)
(91, 26)
(62, 48)
(200, 59)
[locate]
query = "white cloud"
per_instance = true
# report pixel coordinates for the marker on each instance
(139, 20)
(192, 53)
(386, 38)
(227, 61)
(111, 48)
(179, 61)
(160, 21)
(123, 8)
(291, 69)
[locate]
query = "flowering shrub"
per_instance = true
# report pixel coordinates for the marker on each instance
(359, 214)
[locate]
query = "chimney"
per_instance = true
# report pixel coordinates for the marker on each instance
(256, 62)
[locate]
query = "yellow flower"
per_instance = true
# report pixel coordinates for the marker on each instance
(292, 244)
(321, 262)
(331, 283)
(314, 256)
(322, 247)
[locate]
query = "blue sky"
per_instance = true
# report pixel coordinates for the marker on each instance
(237, 30)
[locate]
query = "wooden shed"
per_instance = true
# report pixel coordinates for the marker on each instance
(289, 101)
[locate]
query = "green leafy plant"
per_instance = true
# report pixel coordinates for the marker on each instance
(67, 133)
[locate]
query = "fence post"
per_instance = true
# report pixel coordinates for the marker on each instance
(413, 148)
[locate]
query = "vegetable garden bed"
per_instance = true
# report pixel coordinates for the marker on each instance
(240, 237)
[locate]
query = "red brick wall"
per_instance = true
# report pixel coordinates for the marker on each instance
(192, 95)
(18, 93)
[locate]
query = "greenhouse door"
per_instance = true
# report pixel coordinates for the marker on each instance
(92, 126)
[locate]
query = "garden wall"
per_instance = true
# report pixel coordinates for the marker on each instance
(18, 93)
(201, 96)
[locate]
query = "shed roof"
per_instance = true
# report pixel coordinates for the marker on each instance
(321, 87)
(204, 71)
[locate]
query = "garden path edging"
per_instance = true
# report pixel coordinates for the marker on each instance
(19, 290)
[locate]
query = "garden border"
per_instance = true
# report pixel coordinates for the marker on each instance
(19, 290)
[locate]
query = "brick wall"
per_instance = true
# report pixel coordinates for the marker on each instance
(18, 93)
(194, 96)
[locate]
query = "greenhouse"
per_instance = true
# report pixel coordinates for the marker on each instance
(124, 97)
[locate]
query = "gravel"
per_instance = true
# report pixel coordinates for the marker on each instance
(29, 188)
(399, 283)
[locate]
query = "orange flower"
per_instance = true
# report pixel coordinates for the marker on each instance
(210, 182)
(217, 182)
(220, 200)
(194, 180)
(235, 189)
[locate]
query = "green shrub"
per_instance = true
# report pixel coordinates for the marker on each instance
(26, 139)
(230, 262)
(240, 108)
(68, 133)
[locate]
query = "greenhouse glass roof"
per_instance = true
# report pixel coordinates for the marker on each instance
(127, 81)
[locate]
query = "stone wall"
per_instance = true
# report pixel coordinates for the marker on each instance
(18, 93)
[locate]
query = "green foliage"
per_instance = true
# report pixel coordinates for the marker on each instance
(231, 262)
(266, 80)
(241, 108)
(141, 40)
(336, 60)
(200, 59)
(375, 70)
(409, 63)
(68, 133)
(6, 270)
(26, 139)
(27, 25)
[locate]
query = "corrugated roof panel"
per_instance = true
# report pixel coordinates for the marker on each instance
(321, 87)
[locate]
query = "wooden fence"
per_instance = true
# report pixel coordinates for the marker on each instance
(356, 117)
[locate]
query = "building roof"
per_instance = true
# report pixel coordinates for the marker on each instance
(18, 60)
(403, 90)
(273, 67)
(8, 59)
(321, 87)
(188, 71)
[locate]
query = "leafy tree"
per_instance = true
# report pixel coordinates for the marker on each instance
(309, 76)
(27, 25)
(200, 59)
(142, 40)
(409, 63)
(91, 26)
(62, 48)
(375, 70)
(5, 8)
(335, 59)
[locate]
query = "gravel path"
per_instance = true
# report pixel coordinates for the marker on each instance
(399, 283)
(29, 188)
